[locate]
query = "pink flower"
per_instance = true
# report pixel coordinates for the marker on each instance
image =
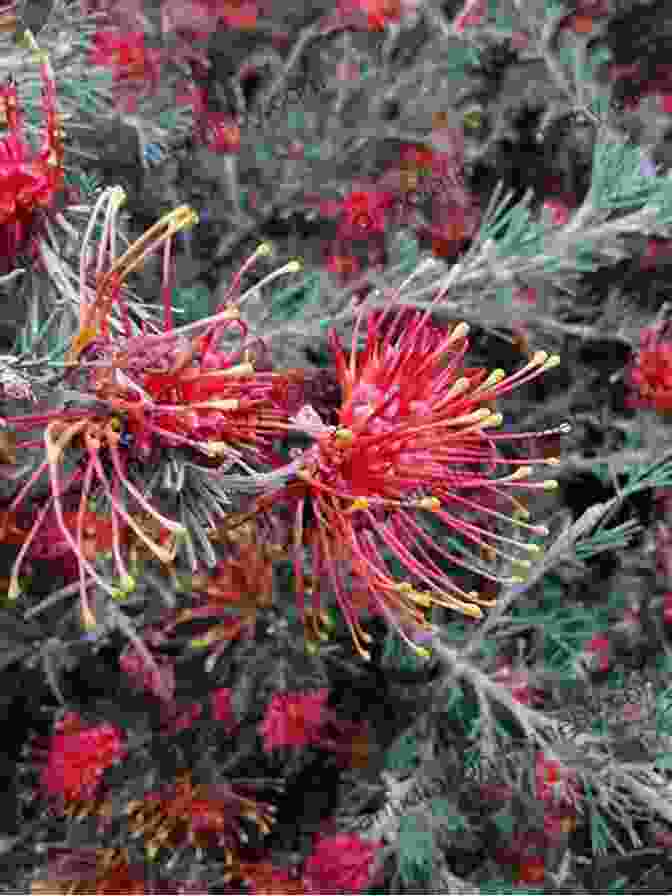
(340, 864)
(176, 719)
(474, 12)
(667, 608)
(160, 683)
(557, 211)
(293, 719)
(78, 757)
(222, 710)
(555, 784)
(597, 653)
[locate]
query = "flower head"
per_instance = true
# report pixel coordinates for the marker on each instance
(341, 863)
(413, 454)
(78, 757)
(185, 812)
(29, 181)
(293, 720)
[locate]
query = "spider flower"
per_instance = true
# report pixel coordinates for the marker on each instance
(29, 180)
(413, 455)
(140, 394)
(196, 814)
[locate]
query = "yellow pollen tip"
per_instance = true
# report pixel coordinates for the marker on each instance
(494, 420)
(265, 249)
(550, 485)
(360, 504)
(294, 266)
(405, 587)
(118, 196)
(539, 358)
(181, 218)
(553, 361)
(524, 564)
(532, 548)
(516, 580)
(429, 504)
(344, 435)
(460, 331)
(495, 377)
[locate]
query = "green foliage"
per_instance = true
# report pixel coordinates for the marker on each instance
(617, 181)
(415, 853)
(615, 539)
(191, 303)
(513, 230)
(289, 303)
(88, 183)
(461, 57)
(402, 755)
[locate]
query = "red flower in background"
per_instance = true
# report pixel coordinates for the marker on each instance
(29, 181)
(651, 371)
(293, 719)
(135, 66)
(364, 212)
(340, 864)
(78, 757)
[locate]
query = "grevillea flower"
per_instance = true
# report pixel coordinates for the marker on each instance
(187, 813)
(651, 371)
(340, 864)
(413, 454)
(29, 180)
(293, 720)
(143, 393)
(78, 756)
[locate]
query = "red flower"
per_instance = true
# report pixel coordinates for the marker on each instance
(372, 15)
(221, 706)
(293, 719)
(473, 13)
(135, 66)
(222, 133)
(29, 181)
(364, 212)
(78, 757)
(667, 608)
(555, 784)
(651, 371)
(411, 445)
(340, 864)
